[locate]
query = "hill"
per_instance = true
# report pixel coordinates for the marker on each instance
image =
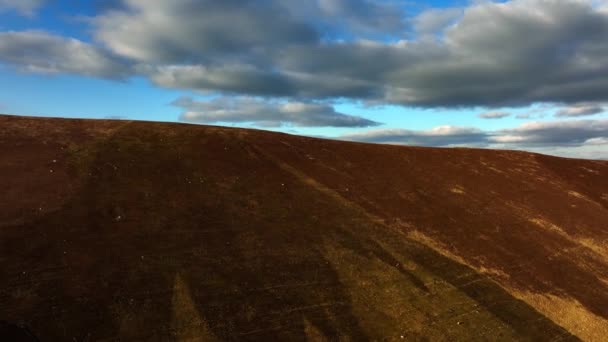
(154, 231)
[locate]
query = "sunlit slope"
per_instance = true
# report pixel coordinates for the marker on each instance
(151, 231)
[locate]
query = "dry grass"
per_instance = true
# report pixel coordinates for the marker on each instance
(600, 250)
(187, 324)
(568, 313)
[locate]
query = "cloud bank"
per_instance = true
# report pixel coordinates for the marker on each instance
(487, 54)
(567, 137)
(491, 54)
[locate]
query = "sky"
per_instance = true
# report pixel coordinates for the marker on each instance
(521, 74)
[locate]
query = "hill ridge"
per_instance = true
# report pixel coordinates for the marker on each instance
(275, 236)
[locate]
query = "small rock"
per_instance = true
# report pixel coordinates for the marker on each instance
(460, 323)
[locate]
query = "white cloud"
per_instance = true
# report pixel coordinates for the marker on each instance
(597, 141)
(41, 52)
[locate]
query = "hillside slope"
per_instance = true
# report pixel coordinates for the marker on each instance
(153, 231)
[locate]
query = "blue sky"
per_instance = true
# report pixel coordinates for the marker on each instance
(520, 74)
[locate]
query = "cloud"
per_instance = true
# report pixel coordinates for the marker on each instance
(116, 117)
(364, 16)
(41, 52)
(514, 53)
(264, 113)
(246, 79)
(532, 135)
(494, 115)
(201, 32)
(24, 7)
(224, 79)
(524, 116)
(579, 110)
(484, 60)
(436, 20)
(489, 54)
(597, 141)
(438, 136)
(553, 133)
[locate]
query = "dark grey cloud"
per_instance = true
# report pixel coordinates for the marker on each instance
(494, 115)
(238, 79)
(25, 7)
(492, 54)
(579, 110)
(488, 54)
(201, 31)
(36, 51)
(516, 53)
(264, 113)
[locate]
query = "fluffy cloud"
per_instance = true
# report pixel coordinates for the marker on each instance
(201, 32)
(480, 60)
(36, 51)
(488, 54)
(263, 113)
(494, 115)
(25, 7)
(579, 110)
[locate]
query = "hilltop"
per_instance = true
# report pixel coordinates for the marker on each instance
(155, 231)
